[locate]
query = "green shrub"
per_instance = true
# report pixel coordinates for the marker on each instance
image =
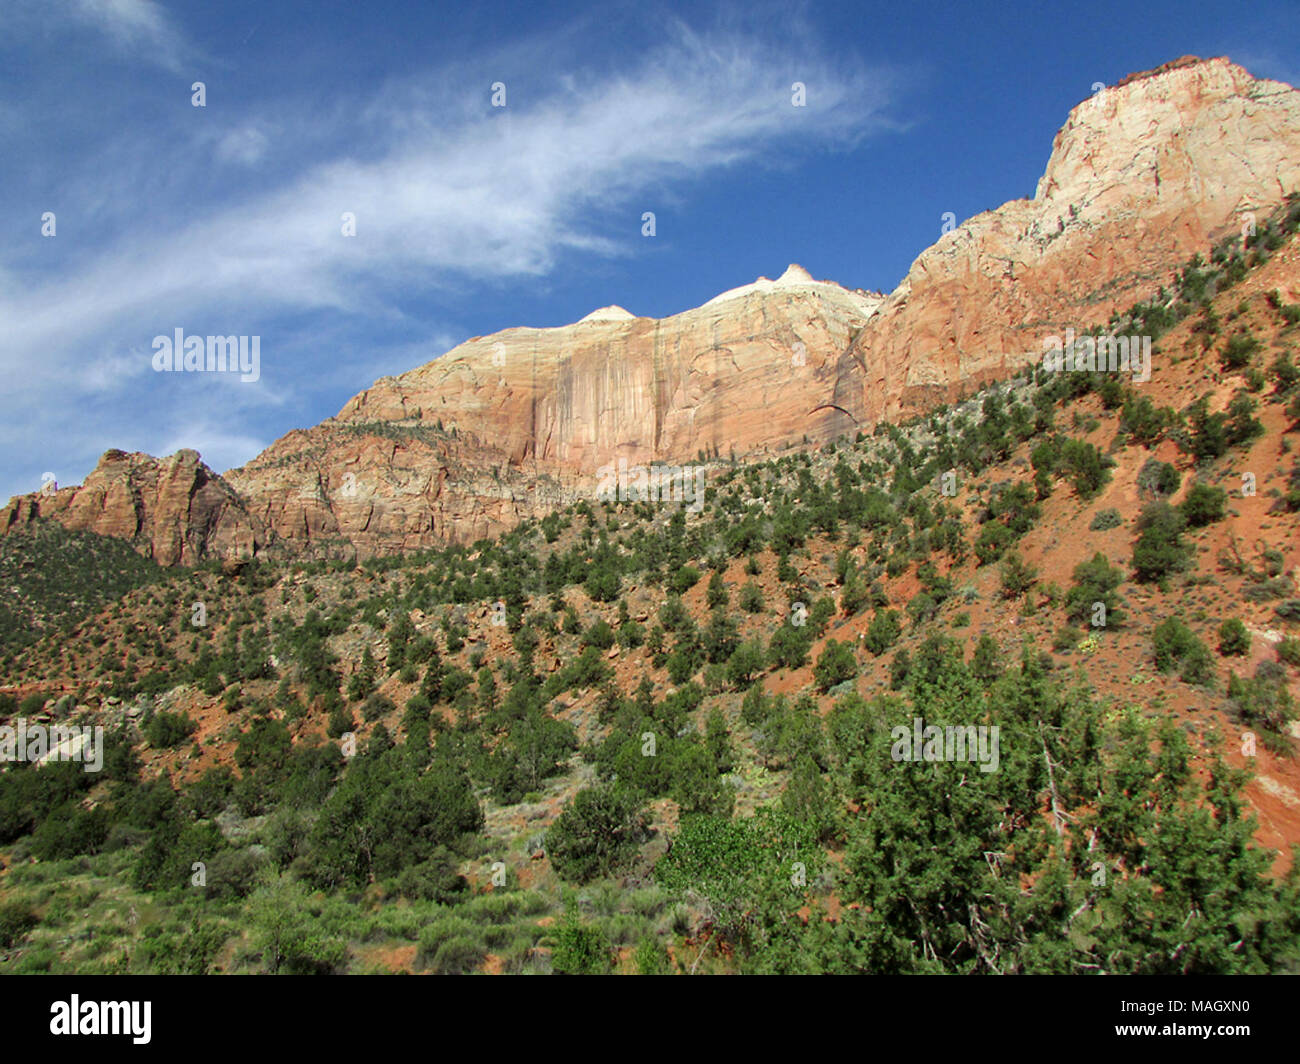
(580, 948)
(1142, 421)
(1238, 350)
(165, 730)
(597, 832)
(1285, 372)
(1087, 468)
(883, 632)
(460, 955)
(451, 944)
(599, 635)
(1263, 702)
(1158, 478)
(1095, 582)
(682, 665)
(387, 814)
(1234, 640)
(751, 598)
(233, 873)
(603, 581)
(684, 579)
(1198, 666)
(1204, 504)
(745, 663)
(1105, 520)
(376, 706)
(789, 646)
(993, 539)
(673, 614)
(16, 919)
(433, 880)
(1242, 426)
(1208, 437)
(1160, 549)
(651, 958)
(899, 669)
(1017, 575)
(717, 596)
(922, 607)
(1066, 637)
(835, 665)
(1173, 641)
(340, 722)
(986, 662)
(1288, 610)
(291, 939)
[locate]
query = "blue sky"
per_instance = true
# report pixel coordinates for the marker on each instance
(470, 218)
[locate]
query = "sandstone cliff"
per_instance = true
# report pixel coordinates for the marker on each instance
(507, 425)
(1141, 176)
(174, 509)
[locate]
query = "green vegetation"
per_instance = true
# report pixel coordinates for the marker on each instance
(1234, 640)
(1160, 549)
(594, 703)
(55, 579)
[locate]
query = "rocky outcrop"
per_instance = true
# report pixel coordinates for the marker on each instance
(175, 510)
(358, 489)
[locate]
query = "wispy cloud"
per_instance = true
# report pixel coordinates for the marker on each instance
(1266, 64)
(245, 145)
(136, 29)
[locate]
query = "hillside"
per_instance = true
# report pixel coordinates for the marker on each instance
(53, 577)
(632, 735)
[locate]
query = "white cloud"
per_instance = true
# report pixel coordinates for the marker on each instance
(1266, 64)
(137, 27)
(220, 448)
(245, 145)
(111, 370)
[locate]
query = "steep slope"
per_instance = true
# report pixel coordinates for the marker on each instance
(974, 597)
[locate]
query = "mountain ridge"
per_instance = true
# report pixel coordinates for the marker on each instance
(504, 427)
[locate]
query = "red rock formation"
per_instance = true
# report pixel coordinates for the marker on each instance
(174, 509)
(1141, 177)
(508, 425)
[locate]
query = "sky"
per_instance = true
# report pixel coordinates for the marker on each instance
(497, 163)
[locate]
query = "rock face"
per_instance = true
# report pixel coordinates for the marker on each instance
(357, 489)
(510, 425)
(175, 509)
(746, 370)
(1142, 175)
